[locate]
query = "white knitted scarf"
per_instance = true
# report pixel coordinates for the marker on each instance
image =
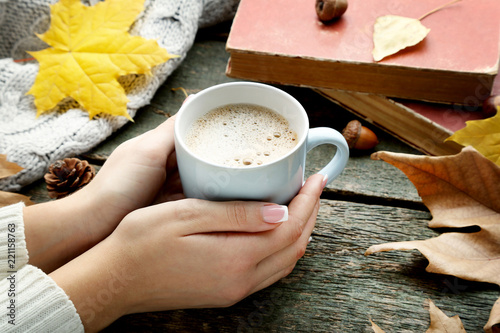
(35, 143)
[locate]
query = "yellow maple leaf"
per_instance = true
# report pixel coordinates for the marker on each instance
(90, 48)
(484, 135)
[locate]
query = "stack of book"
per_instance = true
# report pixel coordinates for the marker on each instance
(421, 95)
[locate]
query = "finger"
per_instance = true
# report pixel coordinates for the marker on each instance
(279, 274)
(273, 279)
(172, 188)
(163, 134)
(301, 209)
(201, 216)
(160, 138)
(172, 163)
(150, 149)
(291, 254)
(302, 205)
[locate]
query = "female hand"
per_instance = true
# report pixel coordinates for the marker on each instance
(137, 172)
(189, 254)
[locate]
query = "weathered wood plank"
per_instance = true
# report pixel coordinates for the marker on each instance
(335, 288)
(363, 176)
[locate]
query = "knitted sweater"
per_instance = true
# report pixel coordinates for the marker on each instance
(30, 300)
(35, 143)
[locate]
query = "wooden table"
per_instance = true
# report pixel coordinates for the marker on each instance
(334, 288)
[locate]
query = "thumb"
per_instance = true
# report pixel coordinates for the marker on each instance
(200, 216)
(161, 136)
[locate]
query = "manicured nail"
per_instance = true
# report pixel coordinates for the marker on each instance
(325, 180)
(274, 213)
(309, 240)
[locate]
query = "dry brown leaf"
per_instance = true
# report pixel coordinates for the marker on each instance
(8, 198)
(375, 328)
(8, 169)
(460, 190)
(441, 323)
(494, 319)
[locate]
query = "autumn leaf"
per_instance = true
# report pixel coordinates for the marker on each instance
(440, 322)
(393, 33)
(494, 319)
(376, 328)
(484, 135)
(90, 48)
(8, 169)
(460, 190)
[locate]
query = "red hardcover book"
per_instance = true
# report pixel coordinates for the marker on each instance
(282, 41)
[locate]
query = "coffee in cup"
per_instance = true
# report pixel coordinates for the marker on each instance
(241, 135)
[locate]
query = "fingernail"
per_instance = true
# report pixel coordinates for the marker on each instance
(274, 213)
(309, 240)
(325, 180)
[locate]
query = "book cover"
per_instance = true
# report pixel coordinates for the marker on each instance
(282, 41)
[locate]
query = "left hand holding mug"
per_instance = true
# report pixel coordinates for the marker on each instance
(141, 171)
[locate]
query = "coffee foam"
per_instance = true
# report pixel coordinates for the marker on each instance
(240, 135)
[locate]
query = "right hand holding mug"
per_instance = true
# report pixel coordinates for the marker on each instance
(190, 254)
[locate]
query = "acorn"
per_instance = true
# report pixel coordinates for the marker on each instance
(329, 10)
(358, 136)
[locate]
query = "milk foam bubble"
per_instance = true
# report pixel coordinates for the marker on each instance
(240, 135)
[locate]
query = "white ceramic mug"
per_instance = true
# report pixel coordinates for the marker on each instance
(278, 181)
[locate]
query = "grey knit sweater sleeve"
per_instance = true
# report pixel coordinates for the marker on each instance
(35, 143)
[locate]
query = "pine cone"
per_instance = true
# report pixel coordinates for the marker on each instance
(67, 176)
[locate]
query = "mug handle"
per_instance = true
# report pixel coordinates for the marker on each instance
(325, 135)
